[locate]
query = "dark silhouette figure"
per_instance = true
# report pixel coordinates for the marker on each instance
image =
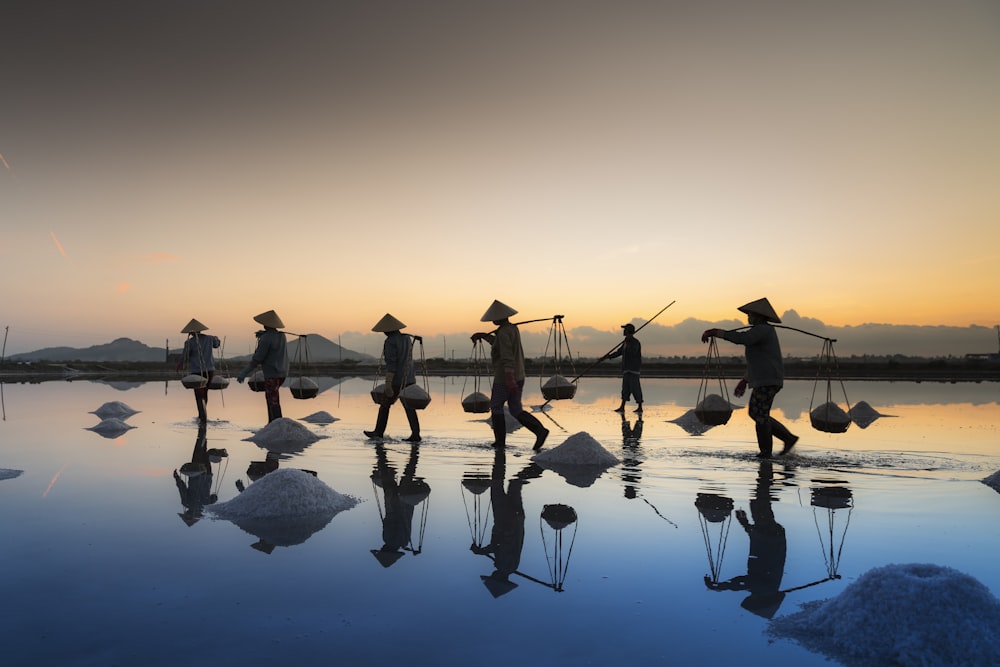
(196, 492)
(507, 538)
(768, 547)
(631, 459)
(197, 355)
(397, 352)
(630, 352)
(400, 500)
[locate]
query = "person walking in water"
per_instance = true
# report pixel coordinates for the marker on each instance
(765, 372)
(271, 356)
(197, 355)
(399, 374)
(507, 357)
(630, 351)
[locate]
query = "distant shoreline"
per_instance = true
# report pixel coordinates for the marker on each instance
(912, 370)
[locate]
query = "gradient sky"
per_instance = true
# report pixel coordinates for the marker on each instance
(337, 160)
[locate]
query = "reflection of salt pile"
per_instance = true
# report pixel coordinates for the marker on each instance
(9, 474)
(830, 418)
(916, 614)
(114, 409)
(112, 427)
(863, 414)
(689, 422)
(993, 481)
(578, 449)
(321, 417)
(284, 507)
(284, 435)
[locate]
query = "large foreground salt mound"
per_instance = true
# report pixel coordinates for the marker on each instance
(915, 614)
(578, 449)
(284, 435)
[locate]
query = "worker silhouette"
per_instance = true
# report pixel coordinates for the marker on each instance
(631, 456)
(768, 547)
(196, 492)
(400, 499)
(507, 537)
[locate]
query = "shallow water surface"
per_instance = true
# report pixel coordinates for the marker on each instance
(111, 560)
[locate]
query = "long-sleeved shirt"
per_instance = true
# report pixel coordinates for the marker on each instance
(763, 354)
(631, 353)
(198, 352)
(507, 353)
(271, 353)
(396, 351)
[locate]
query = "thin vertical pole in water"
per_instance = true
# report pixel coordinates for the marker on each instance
(3, 353)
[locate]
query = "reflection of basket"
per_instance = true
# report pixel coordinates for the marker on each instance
(557, 387)
(303, 387)
(832, 497)
(713, 507)
(256, 381)
(218, 382)
(713, 410)
(476, 402)
(830, 418)
(194, 381)
(559, 516)
(414, 396)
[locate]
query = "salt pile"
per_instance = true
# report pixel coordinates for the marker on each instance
(578, 449)
(915, 614)
(830, 418)
(713, 410)
(114, 409)
(321, 417)
(284, 507)
(993, 481)
(112, 427)
(9, 474)
(284, 435)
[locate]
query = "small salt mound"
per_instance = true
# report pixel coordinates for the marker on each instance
(9, 474)
(578, 449)
(284, 507)
(830, 418)
(284, 435)
(321, 417)
(114, 409)
(112, 427)
(993, 481)
(915, 614)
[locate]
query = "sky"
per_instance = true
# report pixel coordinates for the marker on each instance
(336, 160)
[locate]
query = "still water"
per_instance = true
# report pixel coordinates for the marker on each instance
(640, 563)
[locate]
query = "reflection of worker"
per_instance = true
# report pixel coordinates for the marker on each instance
(271, 356)
(766, 562)
(400, 500)
(399, 374)
(631, 459)
(196, 493)
(507, 537)
(630, 351)
(765, 372)
(197, 354)
(507, 356)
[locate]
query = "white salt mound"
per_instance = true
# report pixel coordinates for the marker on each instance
(285, 432)
(714, 403)
(830, 417)
(114, 409)
(321, 417)
(578, 449)
(286, 493)
(111, 426)
(914, 614)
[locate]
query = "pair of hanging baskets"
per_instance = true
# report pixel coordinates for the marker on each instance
(557, 387)
(713, 409)
(477, 402)
(412, 396)
(829, 417)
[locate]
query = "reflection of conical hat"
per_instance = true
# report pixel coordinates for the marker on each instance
(497, 311)
(388, 323)
(194, 326)
(761, 307)
(269, 319)
(497, 584)
(386, 558)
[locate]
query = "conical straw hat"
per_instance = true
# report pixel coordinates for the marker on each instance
(761, 307)
(497, 311)
(194, 326)
(269, 319)
(388, 323)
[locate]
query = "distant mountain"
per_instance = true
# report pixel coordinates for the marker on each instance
(120, 349)
(319, 349)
